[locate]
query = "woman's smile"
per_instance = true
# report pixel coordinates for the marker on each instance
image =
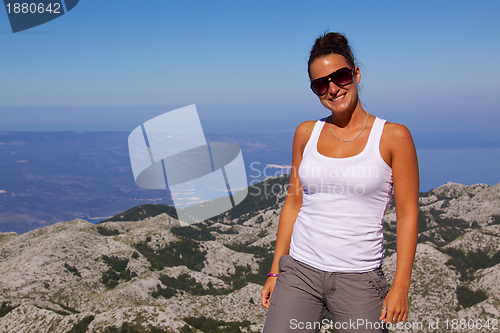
(339, 98)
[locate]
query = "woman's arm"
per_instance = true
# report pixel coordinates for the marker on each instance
(406, 183)
(290, 209)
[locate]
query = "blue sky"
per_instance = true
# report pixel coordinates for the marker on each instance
(111, 65)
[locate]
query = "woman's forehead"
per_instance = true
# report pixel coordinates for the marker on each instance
(327, 64)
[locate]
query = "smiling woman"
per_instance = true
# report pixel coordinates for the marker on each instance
(329, 247)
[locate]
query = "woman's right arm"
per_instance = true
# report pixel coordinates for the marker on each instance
(290, 209)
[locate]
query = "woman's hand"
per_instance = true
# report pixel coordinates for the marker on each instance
(395, 306)
(267, 291)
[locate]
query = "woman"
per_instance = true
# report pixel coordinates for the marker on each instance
(329, 246)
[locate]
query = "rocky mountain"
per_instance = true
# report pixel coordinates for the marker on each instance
(151, 275)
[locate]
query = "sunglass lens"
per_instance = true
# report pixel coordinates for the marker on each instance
(342, 77)
(320, 87)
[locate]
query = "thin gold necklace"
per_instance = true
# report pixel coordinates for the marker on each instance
(366, 123)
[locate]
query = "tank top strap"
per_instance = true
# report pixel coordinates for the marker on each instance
(376, 133)
(313, 139)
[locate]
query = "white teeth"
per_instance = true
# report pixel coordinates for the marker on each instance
(338, 98)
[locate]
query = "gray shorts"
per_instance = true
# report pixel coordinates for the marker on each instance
(303, 294)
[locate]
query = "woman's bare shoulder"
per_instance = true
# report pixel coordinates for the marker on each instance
(303, 131)
(398, 132)
(302, 135)
(305, 128)
(397, 140)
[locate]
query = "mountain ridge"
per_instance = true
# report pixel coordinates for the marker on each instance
(152, 275)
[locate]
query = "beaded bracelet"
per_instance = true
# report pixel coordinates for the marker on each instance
(272, 274)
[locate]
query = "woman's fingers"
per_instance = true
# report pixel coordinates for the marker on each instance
(266, 292)
(264, 297)
(393, 315)
(383, 312)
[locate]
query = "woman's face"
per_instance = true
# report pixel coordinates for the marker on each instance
(337, 99)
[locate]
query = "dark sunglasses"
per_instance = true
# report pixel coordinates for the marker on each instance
(341, 77)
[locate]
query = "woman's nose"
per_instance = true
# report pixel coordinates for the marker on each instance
(332, 88)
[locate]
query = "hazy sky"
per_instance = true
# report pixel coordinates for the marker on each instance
(111, 65)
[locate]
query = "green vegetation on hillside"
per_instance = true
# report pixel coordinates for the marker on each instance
(422, 221)
(196, 231)
(496, 219)
(5, 308)
(166, 292)
(107, 232)
(82, 326)
(143, 211)
(184, 252)
(118, 270)
(116, 263)
(447, 221)
(240, 278)
(209, 325)
(229, 231)
(447, 230)
(467, 298)
(440, 236)
(265, 256)
(468, 263)
(110, 278)
(136, 328)
(185, 283)
(72, 269)
(201, 232)
(171, 255)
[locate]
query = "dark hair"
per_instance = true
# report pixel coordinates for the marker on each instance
(330, 43)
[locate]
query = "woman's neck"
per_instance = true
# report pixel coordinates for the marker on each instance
(349, 119)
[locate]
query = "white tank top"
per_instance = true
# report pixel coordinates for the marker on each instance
(339, 226)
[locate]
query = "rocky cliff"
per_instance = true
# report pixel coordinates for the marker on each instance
(154, 276)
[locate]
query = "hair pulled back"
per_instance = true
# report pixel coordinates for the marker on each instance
(330, 43)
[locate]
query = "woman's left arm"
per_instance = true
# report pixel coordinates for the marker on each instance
(406, 187)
